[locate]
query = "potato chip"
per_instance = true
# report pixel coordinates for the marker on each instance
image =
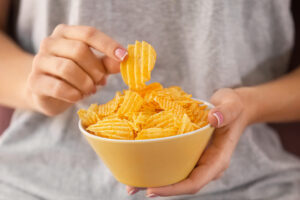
(186, 125)
(170, 105)
(151, 133)
(149, 107)
(184, 101)
(111, 106)
(139, 119)
(202, 124)
(148, 60)
(149, 88)
(132, 103)
(126, 66)
(136, 70)
(174, 93)
(93, 107)
(164, 119)
(195, 111)
(112, 116)
(88, 117)
(113, 128)
(205, 115)
(149, 99)
(137, 67)
(178, 92)
(195, 126)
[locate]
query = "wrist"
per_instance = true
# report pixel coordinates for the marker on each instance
(250, 106)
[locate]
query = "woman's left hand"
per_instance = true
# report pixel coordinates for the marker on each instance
(230, 118)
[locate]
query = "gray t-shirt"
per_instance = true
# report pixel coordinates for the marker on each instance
(201, 46)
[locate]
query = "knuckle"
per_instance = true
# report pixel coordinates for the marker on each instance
(57, 89)
(76, 96)
(59, 28)
(45, 44)
(89, 32)
(109, 45)
(80, 49)
(37, 60)
(98, 75)
(63, 67)
(87, 83)
(219, 95)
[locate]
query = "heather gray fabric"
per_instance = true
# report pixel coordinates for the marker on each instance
(201, 46)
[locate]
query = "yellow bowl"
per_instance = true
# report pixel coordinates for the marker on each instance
(152, 162)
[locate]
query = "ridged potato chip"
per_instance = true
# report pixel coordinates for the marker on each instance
(88, 117)
(186, 125)
(149, 88)
(113, 128)
(132, 103)
(195, 112)
(93, 107)
(164, 119)
(139, 119)
(136, 70)
(111, 106)
(169, 105)
(202, 124)
(151, 133)
(149, 107)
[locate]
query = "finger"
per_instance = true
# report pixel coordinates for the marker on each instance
(219, 176)
(228, 107)
(223, 114)
(77, 51)
(66, 70)
(111, 65)
(93, 38)
(44, 103)
(55, 88)
(132, 190)
(103, 81)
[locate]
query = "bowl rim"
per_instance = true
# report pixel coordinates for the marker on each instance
(147, 140)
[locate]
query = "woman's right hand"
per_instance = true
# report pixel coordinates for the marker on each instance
(65, 69)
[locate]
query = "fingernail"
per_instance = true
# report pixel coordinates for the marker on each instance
(121, 53)
(218, 115)
(133, 191)
(151, 195)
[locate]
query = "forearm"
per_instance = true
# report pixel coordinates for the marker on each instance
(15, 66)
(275, 101)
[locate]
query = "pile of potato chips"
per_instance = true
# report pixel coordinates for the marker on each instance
(144, 111)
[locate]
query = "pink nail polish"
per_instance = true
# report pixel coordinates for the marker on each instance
(133, 191)
(121, 53)
(151, 195)
(218, 115)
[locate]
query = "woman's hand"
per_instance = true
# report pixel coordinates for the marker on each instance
(65, 69)
(230, 118)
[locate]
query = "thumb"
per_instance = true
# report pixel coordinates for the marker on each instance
(223, 114)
